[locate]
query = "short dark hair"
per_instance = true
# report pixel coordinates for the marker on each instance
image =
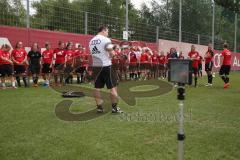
(102, 28)
(225, 45)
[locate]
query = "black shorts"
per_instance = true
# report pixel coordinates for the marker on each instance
(161, 67)
(46, 68)
(133, 67)
(80, 69)
(19, 69)
(225, 70)
(68, 69)
(199, 67)
(195, 71)
(6, 70)
(59, 67)
(34, 68)
(208, 66)
(154, 67)
(144, 66)
(105, 75)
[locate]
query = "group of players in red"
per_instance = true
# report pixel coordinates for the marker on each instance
(59, 63)
(130, 63)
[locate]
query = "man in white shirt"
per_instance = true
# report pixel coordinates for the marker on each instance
(103, 73)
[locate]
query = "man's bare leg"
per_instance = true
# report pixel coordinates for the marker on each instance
(98, 99)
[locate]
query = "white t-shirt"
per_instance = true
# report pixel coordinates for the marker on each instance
(100, 56)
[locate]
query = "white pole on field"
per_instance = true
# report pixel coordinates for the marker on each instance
(126, 23)
(235, 34)
(213, 23)
(180, 20)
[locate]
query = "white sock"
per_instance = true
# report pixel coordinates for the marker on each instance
(47, 81)
(13, 84)
(3, 84)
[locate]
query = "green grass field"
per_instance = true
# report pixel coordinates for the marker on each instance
(30, 130)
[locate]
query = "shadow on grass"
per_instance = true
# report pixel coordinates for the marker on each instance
(62, 109)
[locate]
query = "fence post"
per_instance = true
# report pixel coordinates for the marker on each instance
(127, 21)
(28, 23)
(180, 20)
(86, 23)
(198, 38)
(157, 38)
(213, 23)
(235, 33)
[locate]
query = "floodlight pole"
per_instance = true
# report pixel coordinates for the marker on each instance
(180, 20)
(235, 33)
(126, 23)
(181, 135)
(213, 24)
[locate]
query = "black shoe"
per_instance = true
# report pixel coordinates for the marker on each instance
(116, 110)
(99, 109)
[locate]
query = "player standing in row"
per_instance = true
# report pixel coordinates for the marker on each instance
(226, 65)
(194, 56)
(154, 64)
(200, 61)
(145, 60)
(209, 64)
(68, 64)
(103, 72)
(6, 65)
(19, 58)
(162, 60)
(47, 63)
(133, 64)
(78, 60)
(34, 59)
(59, 62)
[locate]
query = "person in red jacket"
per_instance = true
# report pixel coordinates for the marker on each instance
(154, 64)
(47, 62)
(133, 64)
(226, 65)
(78, 62)
(116, 60)
(200, 66)
(162, 59)
(6, 65)
(194, 56)
(209, 64)
(181, 56)
(69, 63)
(124, 61)
(59, 63)
(144, 63)
(19, 58)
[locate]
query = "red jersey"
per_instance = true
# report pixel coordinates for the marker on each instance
(69, 56)
(181, 57)
(60, 56)
(144, 57)
(47, 56)
(85, 59)
(162, 59)
(5, 55)
(195, 61)
(209, 57)
(227, 57)
(19, 55)
(123, 57)
(133, 57)
(154, 59)
(116, 58)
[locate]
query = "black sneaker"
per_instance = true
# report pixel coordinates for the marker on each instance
(99, 109)
(116, 110)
